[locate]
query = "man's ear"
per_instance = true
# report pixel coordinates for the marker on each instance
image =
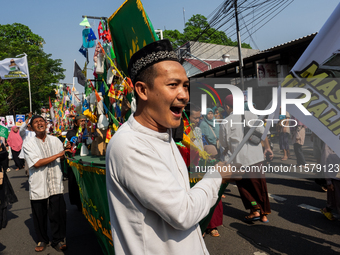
(142, 90)
(227, 108)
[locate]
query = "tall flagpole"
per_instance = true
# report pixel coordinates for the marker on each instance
(72, 91)
(29, 83)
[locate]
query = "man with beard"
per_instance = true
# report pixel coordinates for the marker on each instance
(43, 154)
(152, 208)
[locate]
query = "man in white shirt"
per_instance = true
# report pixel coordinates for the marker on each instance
(253, 186)
(43, 154)
(152, 208)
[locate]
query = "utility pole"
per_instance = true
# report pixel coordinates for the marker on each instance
(239, 47)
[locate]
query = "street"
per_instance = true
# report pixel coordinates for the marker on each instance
(295, 226)
(18, 238)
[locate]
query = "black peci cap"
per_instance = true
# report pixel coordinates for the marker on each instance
(149, 55)
(36, 117)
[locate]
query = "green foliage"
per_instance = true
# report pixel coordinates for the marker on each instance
(44, 71)
(198, 29)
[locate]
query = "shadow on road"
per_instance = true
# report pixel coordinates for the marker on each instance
(298, 184)
(273, 237)
(2, 247)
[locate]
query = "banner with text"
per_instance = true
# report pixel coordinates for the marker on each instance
(19, 119)
(3, 131)
(318, 70)
(13, 68)
(10, 121)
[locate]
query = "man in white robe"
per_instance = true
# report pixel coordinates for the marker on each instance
(152, 208)
(43, 154)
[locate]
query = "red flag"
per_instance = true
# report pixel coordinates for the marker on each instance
(112, 91)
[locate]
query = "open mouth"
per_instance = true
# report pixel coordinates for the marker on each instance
(176, 110)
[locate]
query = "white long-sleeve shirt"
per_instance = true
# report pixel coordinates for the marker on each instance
(25, 134)
(231, 135)
(152, 208)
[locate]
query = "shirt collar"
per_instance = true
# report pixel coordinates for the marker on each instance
(136, 126)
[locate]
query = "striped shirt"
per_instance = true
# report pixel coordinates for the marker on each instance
(47, 180)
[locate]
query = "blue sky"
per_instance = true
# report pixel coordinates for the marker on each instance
(58, 22)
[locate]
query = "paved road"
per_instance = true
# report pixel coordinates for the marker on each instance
(296, 226)
(18, 238)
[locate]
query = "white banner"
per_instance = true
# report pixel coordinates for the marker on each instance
(266, 74)
(318, 70)
(10, 121)
(13, 68)
(3, 121)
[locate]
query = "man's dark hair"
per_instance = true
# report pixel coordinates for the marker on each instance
(190, 107)
(147, 76)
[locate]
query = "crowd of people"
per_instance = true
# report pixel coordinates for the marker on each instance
(165, 220)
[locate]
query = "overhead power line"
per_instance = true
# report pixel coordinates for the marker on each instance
(254, 15)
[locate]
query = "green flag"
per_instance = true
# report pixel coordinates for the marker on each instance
(3, 131)
(131, 30)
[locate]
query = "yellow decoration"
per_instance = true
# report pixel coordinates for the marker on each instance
(81, 168)
(129, 89)
(186, 142)
(91, 116)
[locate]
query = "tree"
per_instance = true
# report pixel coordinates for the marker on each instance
(44, 71)
(198, 29)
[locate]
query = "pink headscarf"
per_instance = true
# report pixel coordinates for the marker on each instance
(14, 140)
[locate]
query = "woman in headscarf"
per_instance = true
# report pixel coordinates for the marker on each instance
(7, 194)
(216, 112)
(210, 131)
(15, 142)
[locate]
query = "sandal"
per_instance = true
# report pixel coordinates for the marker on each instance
(40, 247)
(214, 232)
(251, 217)
(61, 246)
(262, 217)
(328, 215)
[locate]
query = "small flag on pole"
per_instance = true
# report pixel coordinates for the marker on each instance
(79, 74)
(3, 131)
